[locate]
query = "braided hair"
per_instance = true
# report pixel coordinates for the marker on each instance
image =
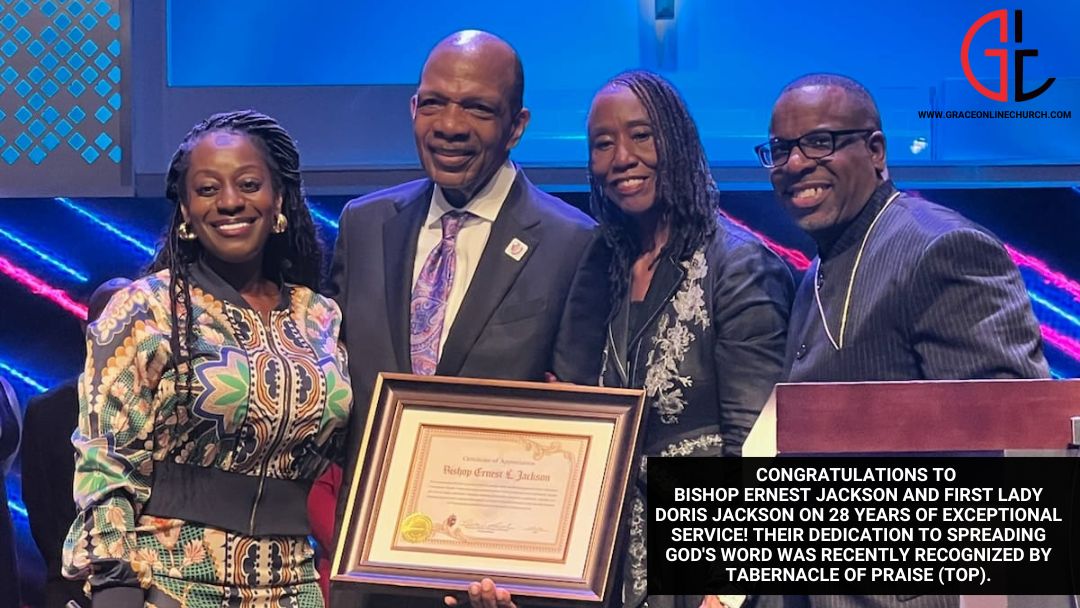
(686, 195)
(294, 256)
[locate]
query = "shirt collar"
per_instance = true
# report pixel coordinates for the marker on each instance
(856, 230)
(211, 282)
(485, 205)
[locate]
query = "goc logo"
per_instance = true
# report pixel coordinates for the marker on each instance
(1002, 17)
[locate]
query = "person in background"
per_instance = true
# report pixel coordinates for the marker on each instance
(10, 432)
(48, 467)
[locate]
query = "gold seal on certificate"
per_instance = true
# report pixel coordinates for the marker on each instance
(416, 528)
(464, 478)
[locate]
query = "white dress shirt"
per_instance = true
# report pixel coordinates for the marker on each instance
(471, 239)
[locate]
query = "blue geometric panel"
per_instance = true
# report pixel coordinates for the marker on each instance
(44, 44)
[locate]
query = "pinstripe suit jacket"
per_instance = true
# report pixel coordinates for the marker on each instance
(935, 297)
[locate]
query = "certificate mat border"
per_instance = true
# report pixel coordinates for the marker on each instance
(566, 522)
(624, 408)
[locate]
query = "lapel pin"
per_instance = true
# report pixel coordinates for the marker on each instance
(516, 249)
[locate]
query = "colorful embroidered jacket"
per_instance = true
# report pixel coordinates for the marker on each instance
(202, 501)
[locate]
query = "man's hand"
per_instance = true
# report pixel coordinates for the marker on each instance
(712, 601)
(484, 595)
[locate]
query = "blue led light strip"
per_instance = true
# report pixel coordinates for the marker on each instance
(1041, 301)
(46, 257)
(18, 375)
(111, 229)
(322, 217)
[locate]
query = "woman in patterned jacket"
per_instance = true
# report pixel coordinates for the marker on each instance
(214, 391)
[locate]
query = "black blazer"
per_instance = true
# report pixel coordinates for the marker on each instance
(508, 323)
(936, 297)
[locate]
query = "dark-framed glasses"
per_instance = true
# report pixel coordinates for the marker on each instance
(813, 145)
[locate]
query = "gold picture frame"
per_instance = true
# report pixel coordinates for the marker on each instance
(460, 479)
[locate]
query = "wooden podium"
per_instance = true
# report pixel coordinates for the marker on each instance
(909, 417)
(958, 417)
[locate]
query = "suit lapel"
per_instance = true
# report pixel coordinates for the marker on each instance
(495, 273)
(400, 234)
(665, 282)
(617, 335)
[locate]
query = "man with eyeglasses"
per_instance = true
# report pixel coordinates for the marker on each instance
(902, 288)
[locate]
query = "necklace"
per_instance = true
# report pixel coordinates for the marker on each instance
(851, 280)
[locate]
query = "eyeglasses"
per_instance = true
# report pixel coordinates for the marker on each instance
(813, 145)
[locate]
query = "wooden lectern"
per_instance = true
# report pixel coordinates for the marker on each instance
(950, 416)
(959, 417)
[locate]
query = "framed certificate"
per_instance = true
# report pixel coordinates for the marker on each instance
(460, 479)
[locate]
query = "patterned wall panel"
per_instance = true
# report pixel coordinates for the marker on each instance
(64, 115)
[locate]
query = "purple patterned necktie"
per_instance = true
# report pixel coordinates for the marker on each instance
(429, 297)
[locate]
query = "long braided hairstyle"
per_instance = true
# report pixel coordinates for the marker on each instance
(294, 256)
(686, 195)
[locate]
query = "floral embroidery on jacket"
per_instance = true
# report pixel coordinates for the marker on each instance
(663, 383)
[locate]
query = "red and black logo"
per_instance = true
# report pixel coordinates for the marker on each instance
(1019, 94)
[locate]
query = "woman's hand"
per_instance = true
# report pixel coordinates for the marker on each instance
(484, 594)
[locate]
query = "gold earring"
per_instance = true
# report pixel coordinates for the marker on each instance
(184, 232)
(280, 224)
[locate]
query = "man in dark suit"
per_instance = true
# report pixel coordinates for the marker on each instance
(465, 273)
(48, 468)
(902, 289)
